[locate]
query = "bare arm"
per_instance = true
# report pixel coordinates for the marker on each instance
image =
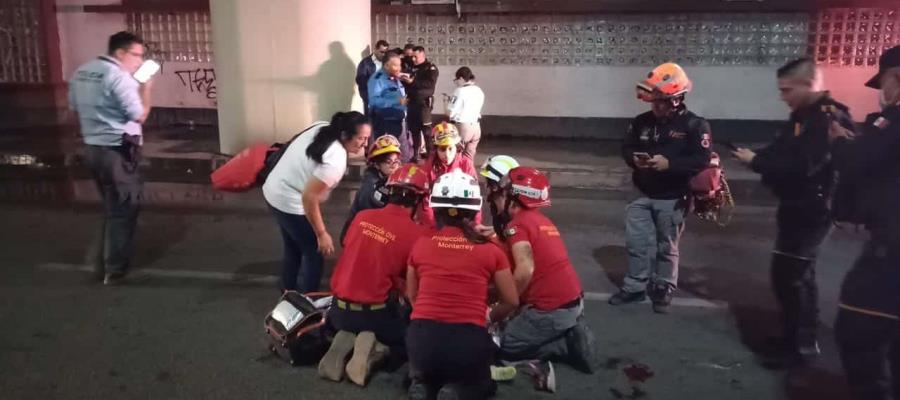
(412, 284)
(509, 298)
(523, 257)
(314, 190)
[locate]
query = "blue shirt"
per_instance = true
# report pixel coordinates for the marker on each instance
(107, 101)
(384, 96)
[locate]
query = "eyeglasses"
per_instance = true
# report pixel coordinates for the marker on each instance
(141, 55)
(391, 162)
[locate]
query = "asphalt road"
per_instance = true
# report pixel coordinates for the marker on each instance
(191, 326)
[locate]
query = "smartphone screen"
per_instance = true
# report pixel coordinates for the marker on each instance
(146, 71)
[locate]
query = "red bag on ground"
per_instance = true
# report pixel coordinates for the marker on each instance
(240, 173)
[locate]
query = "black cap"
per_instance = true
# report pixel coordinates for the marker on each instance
(889, 59)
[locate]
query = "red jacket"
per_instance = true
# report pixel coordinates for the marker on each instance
(436, 168)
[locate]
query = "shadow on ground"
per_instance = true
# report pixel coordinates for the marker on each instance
(755, 317)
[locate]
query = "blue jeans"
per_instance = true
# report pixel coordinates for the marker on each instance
(652, 230)
(301, 251)
(538, 334)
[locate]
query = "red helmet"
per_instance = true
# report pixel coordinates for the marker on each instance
(527, 185)
(410, 176)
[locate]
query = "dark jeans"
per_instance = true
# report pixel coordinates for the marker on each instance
(115, 171)
(419, 122)
(870, 352)
(396, 127)
(801, 230)
(301, 251)
(441, 353)
(387, 324)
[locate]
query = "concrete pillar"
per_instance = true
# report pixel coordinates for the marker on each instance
(284, 64)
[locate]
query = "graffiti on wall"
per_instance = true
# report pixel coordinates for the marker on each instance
(199, 80)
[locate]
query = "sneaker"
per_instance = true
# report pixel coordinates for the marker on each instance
(581, 349)
(543, 375)
(624, 297)
(662, 298)
(502, 373)
(450, 392)
(808, 348)
(331, 366)
(367, 353)
(114, 278)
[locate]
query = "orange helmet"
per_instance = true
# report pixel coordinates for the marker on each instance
(445, 134)
(664, 82)
(385, 144)
(409, 176)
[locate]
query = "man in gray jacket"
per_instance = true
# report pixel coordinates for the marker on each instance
(111, 107)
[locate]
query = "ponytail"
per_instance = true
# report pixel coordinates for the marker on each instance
(462, 220)
(343, 126)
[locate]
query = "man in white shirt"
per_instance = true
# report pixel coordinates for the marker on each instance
(367, 67)
(465, 110)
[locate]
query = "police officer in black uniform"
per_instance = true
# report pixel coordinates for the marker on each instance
(406, 60)
(420, 85)
(797, 168)
(868, 322)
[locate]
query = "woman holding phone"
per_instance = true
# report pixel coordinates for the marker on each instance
(310, 168)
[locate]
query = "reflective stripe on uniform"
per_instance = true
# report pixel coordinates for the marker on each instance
(868, 312)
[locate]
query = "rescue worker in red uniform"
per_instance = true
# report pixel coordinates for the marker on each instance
(493, 170)
(549, 324)
(368, 276)
(450, 350)
(446, 157)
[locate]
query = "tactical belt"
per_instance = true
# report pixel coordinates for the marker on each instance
(346, 305)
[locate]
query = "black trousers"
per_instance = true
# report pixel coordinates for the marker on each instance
(870, 352)
(388, 325)
(801, 230)
(115, 172)
(868, 336)
(419, 122)
(442, 353)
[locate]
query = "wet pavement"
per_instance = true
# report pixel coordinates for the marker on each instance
(190, 325)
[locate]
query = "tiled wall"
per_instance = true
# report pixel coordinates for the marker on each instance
(22, 58)
(836, 36)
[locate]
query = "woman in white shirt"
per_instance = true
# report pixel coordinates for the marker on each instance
(465, 110)
(310, 168)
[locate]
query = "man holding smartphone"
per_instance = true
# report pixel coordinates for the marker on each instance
(111, 106)
(797, 167)
(666, 147)
(420, 84)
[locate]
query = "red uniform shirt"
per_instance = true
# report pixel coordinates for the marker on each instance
(453, 275)
(435, 168)
(376, 249)
(554, 282)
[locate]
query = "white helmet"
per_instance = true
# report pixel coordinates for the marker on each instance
(456, 189)
(496, 167)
